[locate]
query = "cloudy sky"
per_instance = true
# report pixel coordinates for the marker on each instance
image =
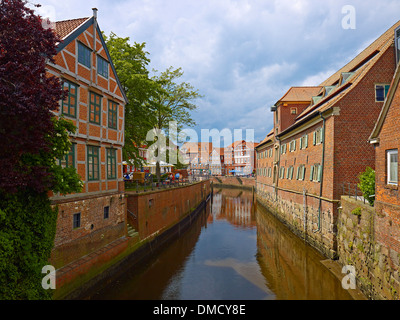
(242, 55)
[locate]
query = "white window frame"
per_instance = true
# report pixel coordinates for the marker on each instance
(389, 153)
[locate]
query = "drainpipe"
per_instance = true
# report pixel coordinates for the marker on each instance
(94, 43)
(322, 174)
(278, 163)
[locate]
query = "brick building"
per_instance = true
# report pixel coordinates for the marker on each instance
(95, 104)
(386, 139)
(320, 141)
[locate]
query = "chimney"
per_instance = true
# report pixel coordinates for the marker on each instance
(94, 12)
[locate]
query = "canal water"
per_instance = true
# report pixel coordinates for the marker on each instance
(235, 250)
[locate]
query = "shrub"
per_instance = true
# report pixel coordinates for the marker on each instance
(367, 185)
(357, 211)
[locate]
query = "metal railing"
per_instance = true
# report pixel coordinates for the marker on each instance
(353, 191)
(152, 185)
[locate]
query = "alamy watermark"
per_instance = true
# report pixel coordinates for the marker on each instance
(49, 280)
(349, 19)
(349, 281)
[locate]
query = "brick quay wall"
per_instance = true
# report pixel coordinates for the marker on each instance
(160, 215)
(376, 264)
(234, 182)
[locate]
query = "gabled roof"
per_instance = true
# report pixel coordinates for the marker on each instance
(69, 30)
(394, 86)
(300, 94)
(64, 28)
(347, 77)
(268, 138)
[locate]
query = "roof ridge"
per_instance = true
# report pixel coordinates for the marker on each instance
(84, 18)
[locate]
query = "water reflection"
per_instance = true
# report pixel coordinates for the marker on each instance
(234, 251)
(291, 268)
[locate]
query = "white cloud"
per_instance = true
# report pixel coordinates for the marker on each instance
(241, 54)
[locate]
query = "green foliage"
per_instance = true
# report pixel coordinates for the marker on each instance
(28, 225)
(131, 63)
(65, 180)
(367, 184)
(357, 211)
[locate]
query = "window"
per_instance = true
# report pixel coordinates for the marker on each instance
(381, 91)
(289, 174)
(93, 163)
(70, 101)
(316, 172)
(102, 67)
(111, 163)
(293, 110)
(292, 146)
(304, 142)
(283, 148)
(106, 212)
(392, 164)
(112, 115)
(69, 159)
(84, 55)
(94, 108)
(301, 170)
(282, 173)
(76, 220)
(318, 136)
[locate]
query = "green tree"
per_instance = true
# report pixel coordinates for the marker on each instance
(367, 185)
(131, 61)
(173, 103)
(31, 141)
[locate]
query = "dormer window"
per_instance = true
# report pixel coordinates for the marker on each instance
(328, 90)
(345, 77)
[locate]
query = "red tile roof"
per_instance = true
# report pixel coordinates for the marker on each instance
(300, 94)
(64, 28)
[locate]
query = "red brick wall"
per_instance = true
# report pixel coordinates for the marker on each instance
(159, 210)
(387, 196)
(286, 117)
(358, 115)
(95, 231)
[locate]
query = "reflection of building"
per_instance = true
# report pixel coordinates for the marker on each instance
(291, 268)
(235, 206)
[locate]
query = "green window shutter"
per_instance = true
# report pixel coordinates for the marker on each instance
(294, 145)
(306, 140)
(298, 173)
(301, 143)
(322, 135)
(287, 173)
(315, 138)
(319, 173)
(311, 173)
(291, 173)
(386, 89)
(304, 173)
